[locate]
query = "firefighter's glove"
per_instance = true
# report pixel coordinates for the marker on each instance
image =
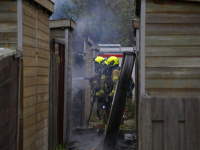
(112, 93)
(100, 93)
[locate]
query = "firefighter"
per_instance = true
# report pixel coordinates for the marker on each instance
(113, 63)
(105, 90)
(98, 61)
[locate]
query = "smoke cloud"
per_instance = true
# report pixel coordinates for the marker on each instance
(105, 21)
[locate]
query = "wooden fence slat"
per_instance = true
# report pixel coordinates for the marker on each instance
(146, 124)
(28, 131)
(179, 93)
(42, 80)
(172, 61)
(172, 73)
(29, 10)
(28, 31)
(43, 71)
(43, 62)
(42, 106)
(43, 97)
(8, 37)
(157, 124)
(159, 29)
(29, 101)
(8, 6)
(43, 45)
(8, 27)
(181, 109)
(43, 36)
(172, 51)
(171, 135)
(43, 54)
(43, 27)
(41, 133)
(192, 123)
(8, 16)
(193, 40)
(42, 18)
(172, 83)
(172, 7)
(29, 51)
(42, 115)
(172, 18)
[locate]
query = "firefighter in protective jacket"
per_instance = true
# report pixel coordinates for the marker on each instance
(113, 62)
(98, 61)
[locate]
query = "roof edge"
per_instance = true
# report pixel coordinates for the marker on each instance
(48, 4)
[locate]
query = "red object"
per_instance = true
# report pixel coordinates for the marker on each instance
(96, 125)
(108, 55)
(134, 137)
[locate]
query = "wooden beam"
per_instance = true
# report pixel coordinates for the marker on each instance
(172, 18)
(48, 4)
(172, 7)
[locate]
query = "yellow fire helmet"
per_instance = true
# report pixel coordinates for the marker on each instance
(106, 63)
(112, 61)
(99, 60)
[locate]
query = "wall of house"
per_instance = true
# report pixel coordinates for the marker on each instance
(8, 24)
(36, 76)
(172, 49)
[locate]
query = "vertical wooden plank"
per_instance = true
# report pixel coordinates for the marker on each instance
(55, 99)
(192, 124)
(50, 102)
(171, 135)
(182, 136)
(157, 124)
(146, 124)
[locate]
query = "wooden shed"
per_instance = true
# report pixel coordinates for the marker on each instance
(61, 33)
(169, 74)
(24, 26)
(82, 67)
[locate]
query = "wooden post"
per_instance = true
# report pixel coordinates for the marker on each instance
(65, 89)
(146, 124)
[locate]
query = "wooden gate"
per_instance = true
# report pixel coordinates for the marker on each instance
(57, 70)
(10, 104)
(170, 124)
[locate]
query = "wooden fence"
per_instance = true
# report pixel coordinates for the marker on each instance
(170, 124)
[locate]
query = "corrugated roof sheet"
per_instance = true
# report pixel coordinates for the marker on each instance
(5, 52)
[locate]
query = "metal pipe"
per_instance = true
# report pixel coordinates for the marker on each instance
(36, 80)
(142, 45)
(19, 48)
(84, 50)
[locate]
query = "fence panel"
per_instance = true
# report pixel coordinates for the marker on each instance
(170, 123)
(9, 77)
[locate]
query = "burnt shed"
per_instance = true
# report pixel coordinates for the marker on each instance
(82, 68)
